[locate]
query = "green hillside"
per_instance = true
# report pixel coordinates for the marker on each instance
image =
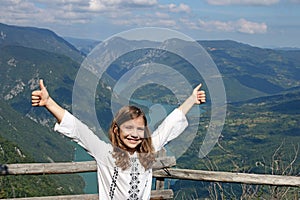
(31, 185)
(37, 38)
(23, 67)
(250, 72)
(26, 55)
(38, 141)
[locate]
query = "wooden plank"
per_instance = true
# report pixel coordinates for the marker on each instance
(162, 194)
(63, 197)
(76, 167)
(164, 162)
(68, 167)
(155, 195)
(160, 181)
(51, 168)
(200, 175)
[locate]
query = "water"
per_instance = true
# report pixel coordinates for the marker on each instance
(90, 178)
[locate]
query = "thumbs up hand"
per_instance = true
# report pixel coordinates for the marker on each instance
(40, 97)
(199, 95)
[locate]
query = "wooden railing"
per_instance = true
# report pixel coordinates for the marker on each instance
(162, 162)
(161, 170)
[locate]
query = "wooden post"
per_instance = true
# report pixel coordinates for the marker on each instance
(160, 182)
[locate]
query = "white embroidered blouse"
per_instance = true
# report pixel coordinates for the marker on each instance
(113, 182)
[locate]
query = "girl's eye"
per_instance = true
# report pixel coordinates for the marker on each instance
(128, 127)
(141, 129)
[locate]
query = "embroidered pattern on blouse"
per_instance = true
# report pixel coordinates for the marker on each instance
(113, 183)
(134, 190)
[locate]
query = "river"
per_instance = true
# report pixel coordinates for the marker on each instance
(90, 178)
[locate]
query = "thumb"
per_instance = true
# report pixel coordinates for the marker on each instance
(198, 87)
(42, 84)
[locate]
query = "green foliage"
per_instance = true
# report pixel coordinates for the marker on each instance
(38, 141)
(14, 186)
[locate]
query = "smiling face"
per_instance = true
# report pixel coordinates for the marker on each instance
(131, 133)
(129, 130)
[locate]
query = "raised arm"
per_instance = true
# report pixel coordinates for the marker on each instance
(176, 122)
(41, 98)
(197, 97)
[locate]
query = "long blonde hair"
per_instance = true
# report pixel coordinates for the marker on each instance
(145, 150)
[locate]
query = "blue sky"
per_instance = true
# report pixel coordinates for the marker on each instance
(262, 23)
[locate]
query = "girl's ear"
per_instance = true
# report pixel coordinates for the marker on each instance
(116, 129)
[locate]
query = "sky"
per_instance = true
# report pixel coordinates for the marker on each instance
(261, 23)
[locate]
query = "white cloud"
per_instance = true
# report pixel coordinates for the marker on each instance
(33, 12)
(42, 12)
(189, 24)
(162, 15)
(241, 25)
(242, 2)
(181, 8)
(17, 11)
(116, 12)
(142, 2)
(141, 22)
(245, 26)
(96, 5)
(107, 5)
(184, 8)
(59, 13)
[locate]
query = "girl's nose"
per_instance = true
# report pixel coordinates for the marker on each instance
(134, 135)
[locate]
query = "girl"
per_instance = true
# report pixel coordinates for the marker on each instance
(124, 165)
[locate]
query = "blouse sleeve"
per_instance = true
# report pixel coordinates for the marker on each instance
(73, 128)
(173, 125)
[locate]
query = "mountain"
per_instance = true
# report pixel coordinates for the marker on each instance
(22, 67)
(250, 72)
(287, 48)
(37, 38)
(32, 137)
(26, 55)
(83, 45)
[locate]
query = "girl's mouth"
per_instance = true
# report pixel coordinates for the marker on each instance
(133, 140)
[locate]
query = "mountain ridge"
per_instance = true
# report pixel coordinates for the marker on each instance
(39, 38)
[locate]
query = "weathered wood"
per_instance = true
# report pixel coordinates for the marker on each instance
(164, 162)
(51, 168)
(90, 166)
(155, 195)
(162, 194)
(160, 181)
(63, 197)
(200, 175)
(70, 167)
